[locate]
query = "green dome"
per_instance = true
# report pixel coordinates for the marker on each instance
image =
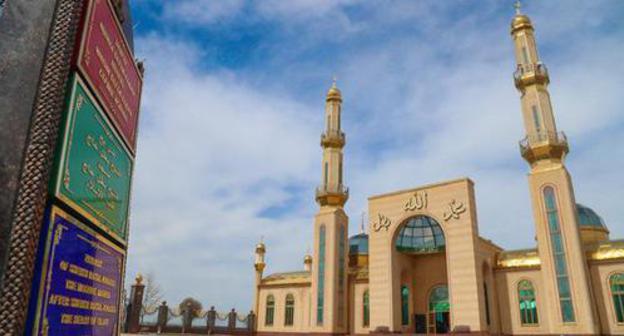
(587, 217)
(358, 244)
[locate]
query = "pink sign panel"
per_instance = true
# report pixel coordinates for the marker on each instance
(106, 62)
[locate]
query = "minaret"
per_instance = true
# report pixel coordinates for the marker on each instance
(567, 294)
(259, 265)
(332, 191)
(329, 276)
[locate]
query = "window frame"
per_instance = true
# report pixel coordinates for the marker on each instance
(289, 310)
(520, 310)
(611, 297)
(269, 304)
(366, 309)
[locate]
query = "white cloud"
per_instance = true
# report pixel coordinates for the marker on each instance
(219, 147)
(202, 11)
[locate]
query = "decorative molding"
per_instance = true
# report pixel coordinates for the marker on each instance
(383, 222)
(455, 209)
(417, 201)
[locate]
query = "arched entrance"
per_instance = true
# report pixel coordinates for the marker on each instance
(420, 255)
(439, 311)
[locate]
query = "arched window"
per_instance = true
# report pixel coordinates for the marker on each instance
(366, 309)
(439, 300)
(289, 318)
(404, 305)
(320, 296)
(557, 244)
(421, 234)
(616, 282)
(270, 310)
(528, 305)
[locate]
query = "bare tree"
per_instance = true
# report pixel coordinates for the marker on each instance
(152, 296)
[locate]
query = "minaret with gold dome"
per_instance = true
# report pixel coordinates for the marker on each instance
(563, 263)
(329, 272)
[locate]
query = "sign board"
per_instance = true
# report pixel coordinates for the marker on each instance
(93, 168)
(107, 64)
(78, 289)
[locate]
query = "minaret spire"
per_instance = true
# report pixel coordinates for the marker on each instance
(332, 190)
(517, 6)
(542, 141)
(554, 207)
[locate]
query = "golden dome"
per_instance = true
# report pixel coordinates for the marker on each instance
(334, 92)
(520, 21)
(307, 259)
(260, 248)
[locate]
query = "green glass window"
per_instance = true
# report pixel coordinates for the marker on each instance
(536, 118)
(326, 175)
(439, 300)
(556, 241)
(616, 282)
(421, 234)
(404, 305)
(525, 55)
(270, 310)
(342, 251)
(321, 277)
(487, 303)
(366, 309)
(528, 305)
(289, 318)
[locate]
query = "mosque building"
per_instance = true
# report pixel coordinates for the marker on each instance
(423, 267)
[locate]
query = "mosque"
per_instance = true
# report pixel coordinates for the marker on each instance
(423, 268)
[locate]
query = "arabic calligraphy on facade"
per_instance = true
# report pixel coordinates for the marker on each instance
(417, 201)
(382, 222)
(455, 209)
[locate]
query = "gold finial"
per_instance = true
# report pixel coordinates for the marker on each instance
(139, 279)
(517, 6)
(334, 92)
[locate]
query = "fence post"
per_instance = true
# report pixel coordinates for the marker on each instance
(187, 318)
(211, 320)
(163, 315)
(251, 322)
(136, 304)
(232, 320)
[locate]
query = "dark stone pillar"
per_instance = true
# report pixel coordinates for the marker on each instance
(211, 319)
(37, 41)
(163, 314)
(136, 304)
(232, 320)
(251, 322)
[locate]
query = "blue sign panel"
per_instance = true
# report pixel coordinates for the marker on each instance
(77, 291)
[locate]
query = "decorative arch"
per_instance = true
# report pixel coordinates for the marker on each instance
(527, 301)
(557, 244)
(420, 234)
(269, 315)
(438, 300)
(616, 288)
(485, 272)
(289, 311)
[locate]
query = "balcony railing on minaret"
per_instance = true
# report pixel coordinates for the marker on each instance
(332, 194)
(529, 74)
(333, 139)
(544, 145)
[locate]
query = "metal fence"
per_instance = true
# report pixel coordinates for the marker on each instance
(186, 321)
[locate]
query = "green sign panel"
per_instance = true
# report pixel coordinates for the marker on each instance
(94, 169)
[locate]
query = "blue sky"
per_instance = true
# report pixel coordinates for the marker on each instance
(232, 111)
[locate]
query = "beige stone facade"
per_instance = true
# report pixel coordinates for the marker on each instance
(423, 268)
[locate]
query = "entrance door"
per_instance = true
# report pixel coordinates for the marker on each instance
(438, 321)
